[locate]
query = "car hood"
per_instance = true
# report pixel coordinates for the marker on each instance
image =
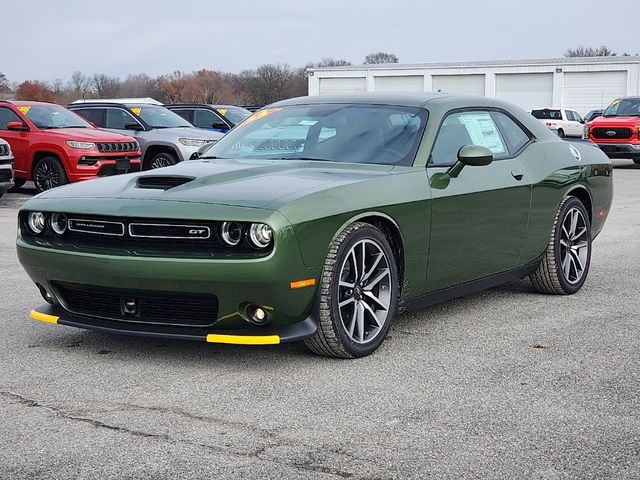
(88, 135)
(626, 121)
(245, 183)
(188, 132)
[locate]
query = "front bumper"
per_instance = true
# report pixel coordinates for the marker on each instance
(6, 177)
(620, 150)
(105, 165)
(271, 336)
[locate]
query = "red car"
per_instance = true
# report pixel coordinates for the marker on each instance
(53, 146)
(617, 131)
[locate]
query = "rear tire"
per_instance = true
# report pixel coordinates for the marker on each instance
(636, 161)
(162, 159)
(561, 133)
(565, 264)
(358, 294)
(48, 173)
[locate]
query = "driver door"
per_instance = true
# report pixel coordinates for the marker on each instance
(479, 219)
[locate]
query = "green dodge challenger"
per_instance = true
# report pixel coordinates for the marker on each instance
(319, 219)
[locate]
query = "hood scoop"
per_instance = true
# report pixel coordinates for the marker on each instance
(162, 182)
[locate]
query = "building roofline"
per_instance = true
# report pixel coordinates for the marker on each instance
(484, 63)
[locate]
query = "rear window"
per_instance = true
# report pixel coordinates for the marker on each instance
(547, 114)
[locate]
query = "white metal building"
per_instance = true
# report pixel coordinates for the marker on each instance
(581, 84)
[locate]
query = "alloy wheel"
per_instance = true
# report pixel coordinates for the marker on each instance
(364, 291)
(574, 245)
(160, 162)
(47, 175)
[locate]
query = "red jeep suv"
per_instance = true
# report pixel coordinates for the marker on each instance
(617, 131)
(53, 146)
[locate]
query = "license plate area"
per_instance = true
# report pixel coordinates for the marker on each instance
(123, 164)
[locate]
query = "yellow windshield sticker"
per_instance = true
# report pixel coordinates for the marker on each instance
(136, 110)
(24, 108)
(260, 114)
(222, 111)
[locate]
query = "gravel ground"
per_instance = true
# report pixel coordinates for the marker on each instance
(457, 390)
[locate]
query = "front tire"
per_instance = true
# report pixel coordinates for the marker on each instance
(48, 173)
(636, 161)
(358, 294)
(565, 264)
(162, 159)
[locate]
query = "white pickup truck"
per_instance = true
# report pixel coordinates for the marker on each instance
(567, 123)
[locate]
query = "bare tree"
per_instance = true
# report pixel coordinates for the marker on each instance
(140, 85)
(380, 57)
(582, 51)
(329, 62)
(268, 83)
(4, 84)
(105, 86)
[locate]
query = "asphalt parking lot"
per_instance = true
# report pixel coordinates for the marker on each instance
(458, 390)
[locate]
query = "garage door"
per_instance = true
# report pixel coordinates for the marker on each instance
(527, 90)
(404, 83)
(584, 91)
(461, 84)
(342, 85)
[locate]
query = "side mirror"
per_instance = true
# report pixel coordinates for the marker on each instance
(220, 126)
(17, 126)
(472, 156)
(133, 126)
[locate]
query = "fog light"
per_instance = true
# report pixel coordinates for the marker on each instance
(35, 222)
(256, 314)
(46, 295)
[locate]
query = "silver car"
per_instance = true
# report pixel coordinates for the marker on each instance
(165, 138)
(6, 167)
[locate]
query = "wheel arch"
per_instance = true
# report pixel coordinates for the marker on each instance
(582, 193)
(390, 229)
(40, 154)
(156, 148)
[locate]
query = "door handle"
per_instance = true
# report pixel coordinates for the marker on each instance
(517, 174)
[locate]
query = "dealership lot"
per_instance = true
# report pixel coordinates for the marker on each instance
(459, 389)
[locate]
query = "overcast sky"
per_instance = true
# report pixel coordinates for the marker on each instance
(43, 39)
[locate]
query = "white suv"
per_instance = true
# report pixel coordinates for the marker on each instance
(6, 167)
(568, 123)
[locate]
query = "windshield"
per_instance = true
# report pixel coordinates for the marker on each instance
(234, 114)
(331, 132)
(623, 107)
(53, 116)
(160, 117)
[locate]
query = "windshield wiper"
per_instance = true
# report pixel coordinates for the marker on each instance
(313, 159)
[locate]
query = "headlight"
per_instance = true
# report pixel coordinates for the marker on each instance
(36, 222)
(260, 235)
(192, 142)
(231, 233)
(58, 223)
(83, 145)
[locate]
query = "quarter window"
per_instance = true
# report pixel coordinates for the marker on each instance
(466, 128)
(513, 134)
(6, 116)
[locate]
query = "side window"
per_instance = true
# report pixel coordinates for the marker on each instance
(94, 115)
(184, 113)
(466, 128)
(6, 116)
(576, 116)
(117, 118)
(207, 119)
(569, 115)
(513, 134)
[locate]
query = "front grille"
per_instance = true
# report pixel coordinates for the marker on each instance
(612, 133)
(117, 147)
(4, 150)
(138, 306)
(162, 182)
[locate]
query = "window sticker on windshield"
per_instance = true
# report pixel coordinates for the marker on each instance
(222, 111)
(136, 110)
(260, 114)
(483, 131)
(24, 108)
